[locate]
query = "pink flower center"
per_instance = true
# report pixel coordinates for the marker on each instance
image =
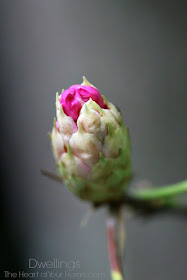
(73, 98)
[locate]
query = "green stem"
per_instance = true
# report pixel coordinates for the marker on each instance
(165, 192)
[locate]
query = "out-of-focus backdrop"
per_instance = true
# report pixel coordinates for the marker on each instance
(133, 52)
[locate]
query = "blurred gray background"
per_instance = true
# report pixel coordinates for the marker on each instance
(133, 51)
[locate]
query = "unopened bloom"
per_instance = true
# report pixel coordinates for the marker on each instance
(90, 144)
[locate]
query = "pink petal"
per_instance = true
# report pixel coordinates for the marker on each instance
(73, 99)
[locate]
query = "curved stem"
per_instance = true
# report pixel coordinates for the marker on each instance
(169, 191)
(115, 264)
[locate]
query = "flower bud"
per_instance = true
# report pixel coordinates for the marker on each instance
(91, 144)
